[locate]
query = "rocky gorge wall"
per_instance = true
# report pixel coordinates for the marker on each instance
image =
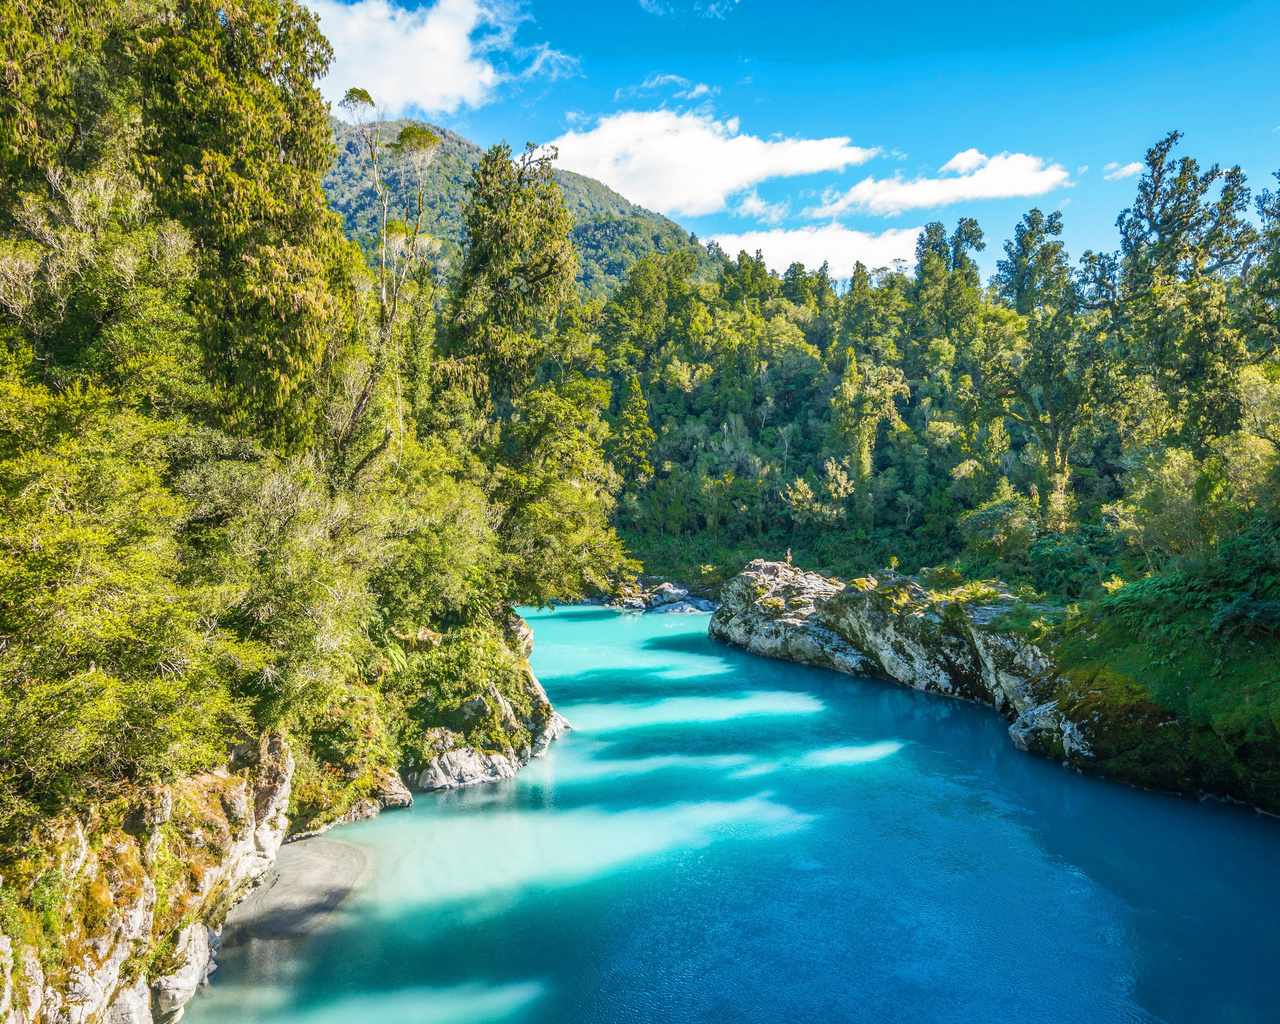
(130, 892)
(127, 899)
(958, 642)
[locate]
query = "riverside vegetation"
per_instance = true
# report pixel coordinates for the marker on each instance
(266, 498)
(1099, 443)
(268, 493)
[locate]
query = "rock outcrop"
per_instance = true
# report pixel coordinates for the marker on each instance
(389, 792)
(223, 829)
(666, 597)
(464, 766)
(893, 627)
(456, 764)
(139, 896)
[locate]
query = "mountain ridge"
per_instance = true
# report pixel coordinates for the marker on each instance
(610, 232)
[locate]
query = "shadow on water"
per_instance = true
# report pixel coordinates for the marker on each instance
(686, 643)
(579, 613)
(726, 838)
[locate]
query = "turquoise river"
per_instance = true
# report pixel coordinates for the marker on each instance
(726, 838)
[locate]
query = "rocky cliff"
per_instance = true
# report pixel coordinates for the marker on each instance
(121, 900)
(117, 929)
(960, 641)
(456, 763)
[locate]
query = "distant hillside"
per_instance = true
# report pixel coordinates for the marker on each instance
(611, 232)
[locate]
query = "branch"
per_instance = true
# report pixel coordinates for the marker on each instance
(377, 450)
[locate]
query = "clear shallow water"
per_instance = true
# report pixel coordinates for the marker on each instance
(726, 838)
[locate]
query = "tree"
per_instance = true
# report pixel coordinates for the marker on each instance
(108, 671)
(1261, 313)
(747, 278)
(633, 437)
(862, 401)
(46, 47)
(1044, 366)
(1034, 270)
(237, 141)
(1167, 296)
(797, 286)
(517, 269)
(553, 491)
(402, 251)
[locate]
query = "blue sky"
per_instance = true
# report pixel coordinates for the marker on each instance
(818, 130)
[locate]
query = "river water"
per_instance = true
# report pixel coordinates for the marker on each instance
(727, 838)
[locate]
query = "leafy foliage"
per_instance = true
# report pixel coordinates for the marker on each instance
(246, 483)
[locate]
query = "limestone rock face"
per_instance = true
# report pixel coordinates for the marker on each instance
(174, 990)
(769, 610)
(519, 635)
(238, 824)
(132, 1005)
(891, 627)
(465, 766)
(544, 723)
(555, 727)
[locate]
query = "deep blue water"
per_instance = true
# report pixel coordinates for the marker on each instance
(726, 838)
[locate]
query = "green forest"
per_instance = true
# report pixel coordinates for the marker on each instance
(281, 460)
(253, 478)
(609, 232)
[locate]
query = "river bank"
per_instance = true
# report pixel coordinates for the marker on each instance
(972, 642)
(729, 837)
(112, 916)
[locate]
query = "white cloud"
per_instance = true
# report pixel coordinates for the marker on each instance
(966, 176)
(714, 9)
(690, 163)
(1115, 172)
(965, 163)
(435, 59)
(754, 206)
(688, 90)
(698, 89)
(836, 244)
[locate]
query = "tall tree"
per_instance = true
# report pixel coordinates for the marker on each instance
(237, 141)
(633, 436)
(862, 401)
(1166, 292)
(1043, 367)
(397, 172)
(517, 269)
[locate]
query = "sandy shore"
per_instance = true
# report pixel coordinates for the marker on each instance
(310, 878)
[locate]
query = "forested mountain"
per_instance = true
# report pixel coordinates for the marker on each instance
(609, 232)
